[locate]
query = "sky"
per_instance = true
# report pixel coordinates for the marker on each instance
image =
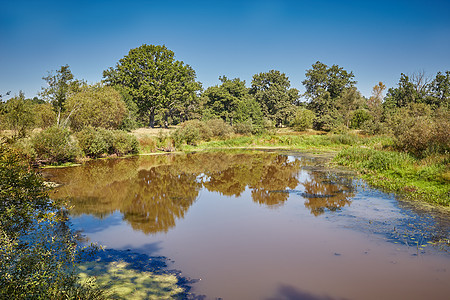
(376, 40)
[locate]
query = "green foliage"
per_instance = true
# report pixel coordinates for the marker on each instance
(439, 91)
(96, 142)
(36, 248)
(245, 128)
(191, 132)
(322, 78)
(219, 128)
(275, 96)
(303, 119)
(18, 115)
(155, 80)
(230, 101)
(401, 173)
(97, 106)
(60, 85)
(418, 89)
(124, 143)
(344, 139)
(359, 117)
(45, 115)
(55, 145)
(421, 131)
(324, 86)
(375, 160)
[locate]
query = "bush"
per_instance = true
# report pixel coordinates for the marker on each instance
(219, 128)
(96, 142)
(191, 132)
(359, 117)
(243, 128)
(97, 106)
(124, 143)
(303, 119)
(55, 145)
(420, 132)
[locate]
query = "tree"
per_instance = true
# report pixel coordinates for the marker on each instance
(321, 78)
(154, 79)
(275, 96)
(97, 106)
(18, 115)
(60, 85)
(349, 101)
(439, 91)
(231, 101)
(324, 85)
(374, 102)
(403, 95)
(37, 251)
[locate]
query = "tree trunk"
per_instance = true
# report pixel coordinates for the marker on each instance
(151, 118)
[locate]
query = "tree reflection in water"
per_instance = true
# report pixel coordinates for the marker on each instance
(153, 191)
(327, 191)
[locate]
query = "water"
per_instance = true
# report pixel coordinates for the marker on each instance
(262, 225)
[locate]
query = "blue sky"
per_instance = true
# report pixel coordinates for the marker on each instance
(377, 40)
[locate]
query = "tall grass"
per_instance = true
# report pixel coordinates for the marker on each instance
(425, 179)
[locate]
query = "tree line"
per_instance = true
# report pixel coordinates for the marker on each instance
(149, 87)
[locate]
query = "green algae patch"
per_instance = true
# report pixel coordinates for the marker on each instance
(120, 281)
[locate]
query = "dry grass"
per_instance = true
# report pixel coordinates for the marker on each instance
(153, 132)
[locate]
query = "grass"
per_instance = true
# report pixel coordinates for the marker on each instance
(424, 179)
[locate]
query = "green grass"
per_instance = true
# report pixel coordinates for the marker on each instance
(424, 179)
(298, 142)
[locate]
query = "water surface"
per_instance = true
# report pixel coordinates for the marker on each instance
(262, 225)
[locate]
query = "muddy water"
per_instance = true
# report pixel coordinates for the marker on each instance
(260, 225)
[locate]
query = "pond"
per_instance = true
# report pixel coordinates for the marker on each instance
(262, 225)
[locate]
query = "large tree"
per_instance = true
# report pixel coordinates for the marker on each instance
(324, 86)
(232, 102)
(273, 92)
(155, 80)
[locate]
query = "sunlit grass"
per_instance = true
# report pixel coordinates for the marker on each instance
(425, 179)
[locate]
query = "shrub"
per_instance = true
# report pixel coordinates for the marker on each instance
(243, 128)
(303, 119)
(55, 145)
(97, 106)
(94, 142)
(420, 132)
(123, 143)
(359, 117)
(219, 128)
(191, 132)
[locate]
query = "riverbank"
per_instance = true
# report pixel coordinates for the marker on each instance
(373, 158)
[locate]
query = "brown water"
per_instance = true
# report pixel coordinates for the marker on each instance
(260, 225)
